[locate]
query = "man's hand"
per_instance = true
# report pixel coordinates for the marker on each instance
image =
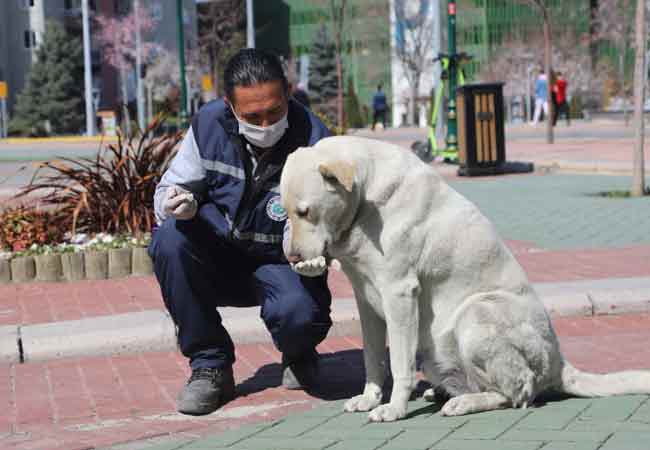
(180, 203)
(311, 268)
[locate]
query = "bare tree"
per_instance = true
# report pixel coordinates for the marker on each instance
(638, 181)
(415, 44)
(613, 23)
(338, 14)
(221, 34)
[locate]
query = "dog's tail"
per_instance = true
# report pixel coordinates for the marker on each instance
(584, 384)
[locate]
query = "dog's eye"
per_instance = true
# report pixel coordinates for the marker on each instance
(302, 212)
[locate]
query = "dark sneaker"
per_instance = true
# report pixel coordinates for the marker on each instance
(206, 391)
(301, 373)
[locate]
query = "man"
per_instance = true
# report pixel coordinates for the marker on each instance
(541, 98)
(560, 99)
(219, 241)
(379, 108)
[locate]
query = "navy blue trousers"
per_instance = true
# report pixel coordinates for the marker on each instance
(198, 271)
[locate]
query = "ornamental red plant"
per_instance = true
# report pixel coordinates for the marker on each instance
(112, 193)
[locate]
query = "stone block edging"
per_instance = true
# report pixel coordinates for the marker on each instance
(86, 265)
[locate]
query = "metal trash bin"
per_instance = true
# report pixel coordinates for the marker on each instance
(481, 134)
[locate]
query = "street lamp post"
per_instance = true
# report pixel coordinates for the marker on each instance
(88, 83)
(452, 125)
(138, 66)
(181, 59)
(250, 25)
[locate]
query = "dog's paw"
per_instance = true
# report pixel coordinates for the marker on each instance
(311, 268)
(361, 403)
(387, 413)
(457, 406)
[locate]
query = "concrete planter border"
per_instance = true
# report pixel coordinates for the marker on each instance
(23, 269)
(48, 267)
(86, 265)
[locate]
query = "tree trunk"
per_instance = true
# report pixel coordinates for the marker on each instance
(638, 175)
(339, 87)
(415, 90)
(549, 78)
(621, 68)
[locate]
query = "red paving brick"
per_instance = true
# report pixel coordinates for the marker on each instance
(29, 303)
(103, 401)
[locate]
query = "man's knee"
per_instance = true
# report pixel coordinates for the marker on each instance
(169, 241)
(295, 323)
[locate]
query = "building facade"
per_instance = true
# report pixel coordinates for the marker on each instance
(22, 25)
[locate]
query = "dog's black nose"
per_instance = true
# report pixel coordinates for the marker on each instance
(294, 258)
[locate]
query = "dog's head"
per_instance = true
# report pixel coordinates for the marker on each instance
(318, 193)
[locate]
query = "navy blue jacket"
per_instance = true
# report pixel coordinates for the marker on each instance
(240, 200)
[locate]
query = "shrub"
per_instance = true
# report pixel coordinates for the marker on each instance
(22, 227)
(112, 193)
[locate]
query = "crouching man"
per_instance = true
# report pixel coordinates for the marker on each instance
(219, 240)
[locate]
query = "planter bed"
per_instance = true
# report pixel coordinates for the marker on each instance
(86, 265)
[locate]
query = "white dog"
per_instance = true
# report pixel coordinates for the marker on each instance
(429, 271)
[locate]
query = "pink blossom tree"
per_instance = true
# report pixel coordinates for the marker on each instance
(117, 37)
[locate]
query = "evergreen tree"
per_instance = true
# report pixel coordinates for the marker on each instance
(353, 116)
(322, 74)
(52, 100)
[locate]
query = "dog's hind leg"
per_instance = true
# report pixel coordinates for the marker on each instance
(474, 403)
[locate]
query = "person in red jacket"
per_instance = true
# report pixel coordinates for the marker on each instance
(560, 99)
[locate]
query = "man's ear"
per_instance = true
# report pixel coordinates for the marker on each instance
(341, 172)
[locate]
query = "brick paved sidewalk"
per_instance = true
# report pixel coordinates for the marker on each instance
(31, 303)
(98, 402)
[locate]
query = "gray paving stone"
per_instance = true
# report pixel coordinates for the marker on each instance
(292, 428)
(433, 421)
(617, 409)
(571, 446)
(346, 420)
(609, 426)
(561, 211)
(357, 445)
(453, 444)
(626, 440)
(226, 438)
(553, 435)
(548, 419)
(369, 433)
(481, 430)
(416, 439)
(257, 443)
(642, 414)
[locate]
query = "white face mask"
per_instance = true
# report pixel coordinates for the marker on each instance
(263, 137)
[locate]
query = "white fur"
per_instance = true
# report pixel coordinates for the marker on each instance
(431, 274)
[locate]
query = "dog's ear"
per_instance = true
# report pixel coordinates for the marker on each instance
(341, 172)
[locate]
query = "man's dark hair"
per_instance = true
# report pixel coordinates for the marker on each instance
(250, 66)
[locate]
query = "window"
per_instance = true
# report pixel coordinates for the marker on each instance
(25, 3)
(30, 39)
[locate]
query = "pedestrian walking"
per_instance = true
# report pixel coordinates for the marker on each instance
(221, 226)
(379, 107)
(541, 98)
(561, 104)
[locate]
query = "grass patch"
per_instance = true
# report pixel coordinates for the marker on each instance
(615, 194)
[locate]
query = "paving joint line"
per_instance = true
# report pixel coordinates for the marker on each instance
(637, 408)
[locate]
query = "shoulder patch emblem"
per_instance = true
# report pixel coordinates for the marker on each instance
(275, 210)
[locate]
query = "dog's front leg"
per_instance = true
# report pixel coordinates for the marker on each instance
(373, 329)
(400, 300)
